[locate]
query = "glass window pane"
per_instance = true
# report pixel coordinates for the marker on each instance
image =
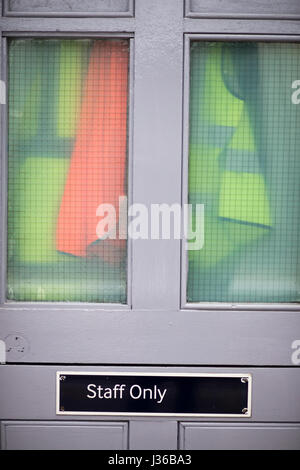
(67, 158)
(244, 167)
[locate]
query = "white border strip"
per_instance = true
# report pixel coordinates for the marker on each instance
(154, 374)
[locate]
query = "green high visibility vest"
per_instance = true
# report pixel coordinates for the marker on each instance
(224, 169)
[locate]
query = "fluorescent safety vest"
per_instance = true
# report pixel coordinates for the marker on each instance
(225, 173)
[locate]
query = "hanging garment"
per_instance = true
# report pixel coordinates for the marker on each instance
(98, 164)
(37, 172)
(243, 196)
(71, 74)
(225, 172)
(40, 188)
(47, 79)
(269, 270)
(25, 94)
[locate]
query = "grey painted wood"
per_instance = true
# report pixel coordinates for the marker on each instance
(70, 8)
(89, 335)
(157, 145)
(243, 8)
(69, 25)
(187, 25)
(242, 26)
(28, 393)
(239, 436)
(153, 435)
(17, 435)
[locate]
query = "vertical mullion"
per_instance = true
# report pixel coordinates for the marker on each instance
(157, 146)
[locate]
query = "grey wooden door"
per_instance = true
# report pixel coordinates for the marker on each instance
(157, 327)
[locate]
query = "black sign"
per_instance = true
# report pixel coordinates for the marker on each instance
(157, 394)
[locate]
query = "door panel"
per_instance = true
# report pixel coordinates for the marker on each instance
(63, 436)
(242, 9)
(72, 8)
(239, 437)
(153, 435)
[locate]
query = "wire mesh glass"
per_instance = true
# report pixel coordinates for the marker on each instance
(67, 156)
(244, 167)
